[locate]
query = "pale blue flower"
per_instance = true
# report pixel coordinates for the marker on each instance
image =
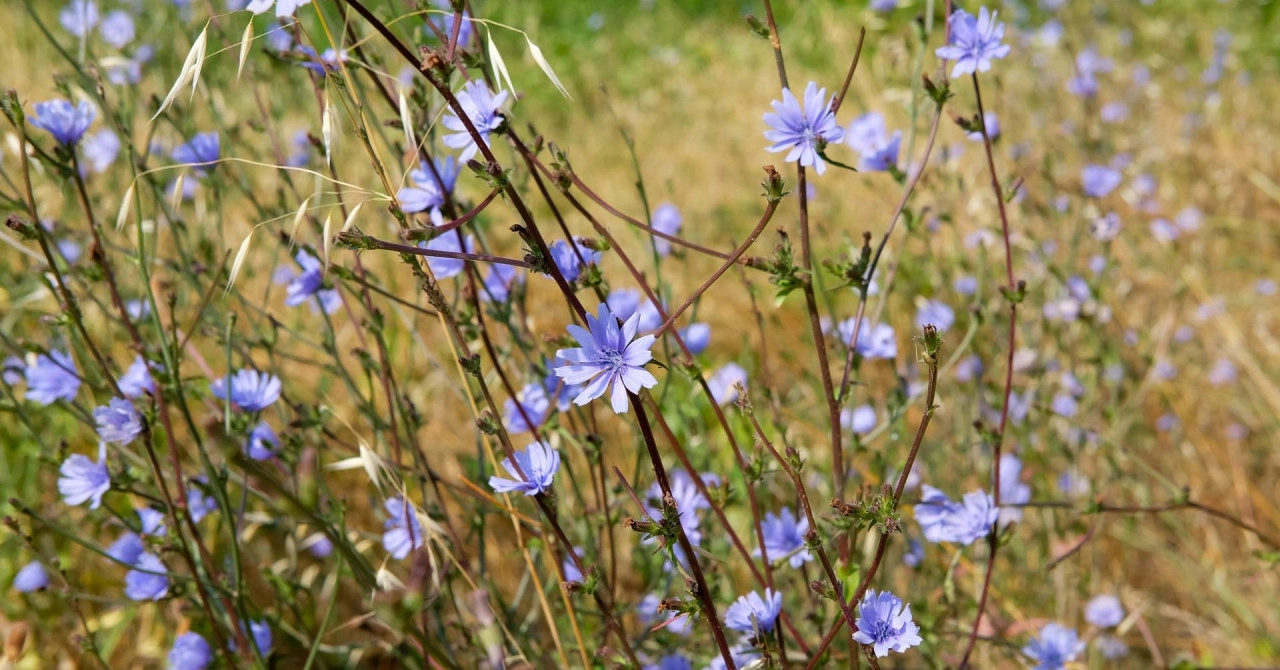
(689, 501)
(330, 60)
(445, 268)
(51, 378)
(935, 313)
(538, 463)
(860, 419)
(874, 341)
(149, 580)
(127, 548)
(118, 421)
(571, 571)
(99, 150)
(884, 623)
(1099, 180)
(307, 283)
(262, 443)
(250, 390)
(942, 520)
(877, 149)
(83, 480)
(915, 553)
(1012, 490)
(137, 379)
(190, 652)
(501, 282)
(723, 383)
(199, 505)
(1112, 648)
(751, 612)
(117, 28)
(283, 7)
(79, 17)
(975, 42)
(481, 107)
(697, 337)
(666, 219)
(201, 151)
(802, 132)
(784, 534)
(32, 577)
(625, 302)
(609, 356)
(648, 613)
(566, 258)
(67, 124)
(672, 662)
(261, 632)
(536, 406)
(992, 122)
(1054, 647)
(1104, 611)
(1223, 372)
(402, 533)
(426, 194)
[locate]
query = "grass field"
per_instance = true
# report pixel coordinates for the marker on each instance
(1146, 366)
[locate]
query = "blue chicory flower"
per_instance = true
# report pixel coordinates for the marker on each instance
(501, 281)
(117, 28)
(566, 258)
(625, 302)
(444, 22)
(1112, 648)
(118, 421)
(32, 577)
(877, 149)
(609, 356)
(942, 520)
(199, 505)
(860, 419)
(803, 131)
(201, 151)
(874, 341)
(99, 150)
(262, 443)
(1104, 611)
(528, 410)
(307, 283)
(148, 580)
(51, 378)
(571, 571)
(992, 123)
(67, 124)
(79, 17)
(426, 194)
(1054, 647)
(260, 631)
(190, 652)
(137, 379)
(1099, 180)
(83, 480)
(751, 612)
(689, 501)
(445, 268)
(248, 389)
(538, 462)
(975, 42)
(481, 107)
(723, 383)
(915, 553)
(402, 532)
(127, 548)
(666, 219)
(152, 521)
(1012, 491)
(784, 534)
(884, 623)
(671, 662)
(283, 7)
(697, 337)
(935, 313)
(649, 613)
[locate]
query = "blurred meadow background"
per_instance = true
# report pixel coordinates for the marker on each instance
(1136, 143)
